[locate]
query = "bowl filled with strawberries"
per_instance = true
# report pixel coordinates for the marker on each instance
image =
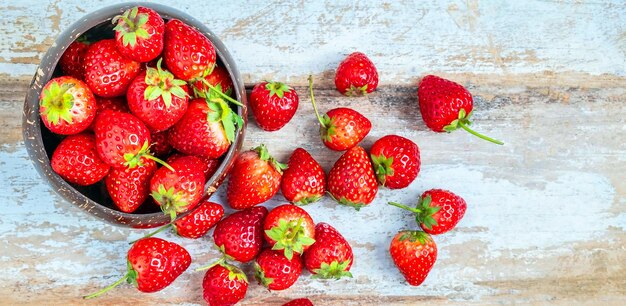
(135, 114)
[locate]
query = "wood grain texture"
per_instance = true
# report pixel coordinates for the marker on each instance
(546, 212)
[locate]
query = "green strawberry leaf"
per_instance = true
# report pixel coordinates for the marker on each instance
(334, 270)
(277, 89)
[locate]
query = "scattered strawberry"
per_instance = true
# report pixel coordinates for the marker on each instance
(446, 106)
(130, 187)
(197, 223)
(438, 211)
(304, 180)
(341, 128)
(188, 54)
(299, 302)
(273, 104)
(208, 165)
(71, 62)
(289, 228)
(153, 264)
(224, 284)
(330, 256)
(157, 98)
(240, 235)
(414, 253)
(356, 75)
(180, 189)
(275, 271)
(254, 178)
(160, 146)
(351, 181)
(139, 34)
(117, 104)
(218, 78)
(66, 105)
(75, 159)
(396, 161)
(107, 72)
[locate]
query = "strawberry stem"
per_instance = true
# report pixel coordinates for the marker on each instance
(219, 92)
(317, 114)
(160, 161)
(162, 228)
(296, 229)
(481, 136)
(121, 280)
(415, 210)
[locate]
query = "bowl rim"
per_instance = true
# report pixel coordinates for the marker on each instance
(31, 125)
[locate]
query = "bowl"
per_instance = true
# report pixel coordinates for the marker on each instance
(40, 142)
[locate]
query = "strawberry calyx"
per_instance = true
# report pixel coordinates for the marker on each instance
(464, 122)
(162, 83)
(221, 112)
(131, 26)
(233, 271)
(334, 270)
(307, 200)
(416, 236)
(130, 277)
(57, 102)
(290, 237)
(355, 91)
(259, 274)
(346, 202)
(215, 91)
(277, 89)
(264, 155)
(327, 126)
(423, 211)
(382, 167)
(135, 160)
(170, 201)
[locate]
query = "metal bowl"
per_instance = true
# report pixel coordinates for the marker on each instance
(40, 142)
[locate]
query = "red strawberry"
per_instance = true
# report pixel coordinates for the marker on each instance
(206, 129)
(66, 106)
(223, 285)
(414, 253)
(289, 228)
(396, 161)
(160, 146)
(75, 159)
(351, 181)
(107, 72)
(273, 104)
(218, 78)
(71, 62)
(197, 223)
(446, 106)
(130, 187)
(275, 271)
(341, 128)
(178, 190)
(331, 255)
(240, 234)
(117, 104)
(254, 178)
(188, 54)
(209, 166)
(299, 302)
(304, 180)
(157, 98)
(438, 211)
(356, 75)
(121, 139)
(139, 33)
(153, 264)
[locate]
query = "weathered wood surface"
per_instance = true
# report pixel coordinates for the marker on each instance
(547, 211)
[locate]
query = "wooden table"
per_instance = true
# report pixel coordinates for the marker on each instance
(546, 212)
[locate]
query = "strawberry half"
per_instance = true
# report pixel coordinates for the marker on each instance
(330, 256)
(414, 253)
(446, 106)
(139, 33)
(66, 105)
(304, 180)
(351, 180)
(340, 128)
(71, 62)
(356, 75)
(224, 284)
(273, 104)
(275, 271)
(180, 189)
(187, 53)
(240, 235)
(289, 228)
(75, 159)
(107, 72)
(130, 187)
(438, 211)
(396, 161)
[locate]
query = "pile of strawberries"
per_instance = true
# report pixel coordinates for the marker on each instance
(155, 93)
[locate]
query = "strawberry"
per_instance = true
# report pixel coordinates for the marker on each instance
(356, 75)
(206, 129)
(130, 187)
(180, 189)
(446, 106)
(330, 256)
(75, 159)
(153, 264)
(107, 72)
(160, 146)
(396, 161)
(157, 98)
(304, 180)
(289, 228)
(66, 105)
(341, 128)
(438, 211)
(188, 54)
(139, 34)
(273, 104)
(254, 178)
(299, 302)
(197, 223)
(208, 165)
(414, 253)
(219, 78)
(351, 180)
(275, 271)
(117, 104)
(240, 234)
(71, 62)
(223, 285)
